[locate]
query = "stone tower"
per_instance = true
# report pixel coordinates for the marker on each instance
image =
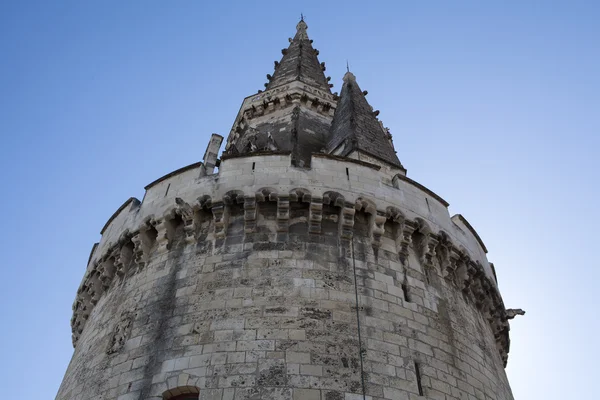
(308, 267)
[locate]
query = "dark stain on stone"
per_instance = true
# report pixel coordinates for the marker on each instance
(276, 310)
(274, 376)
(315, 313)
(334, 396)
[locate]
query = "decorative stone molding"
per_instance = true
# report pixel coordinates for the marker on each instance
(435, 249)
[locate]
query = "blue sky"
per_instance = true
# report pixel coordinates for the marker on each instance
(492, 105)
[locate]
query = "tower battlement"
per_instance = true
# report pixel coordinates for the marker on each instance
(309, 266)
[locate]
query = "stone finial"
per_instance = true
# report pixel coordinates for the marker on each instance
(349, 76)
(301, 28)
(212, 152)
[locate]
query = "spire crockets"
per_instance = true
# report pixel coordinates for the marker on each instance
(355, 127)
(299, 63)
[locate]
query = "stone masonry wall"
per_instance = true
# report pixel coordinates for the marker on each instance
(269, 282)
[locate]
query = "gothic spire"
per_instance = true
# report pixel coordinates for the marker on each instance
(355, 126)
(299, 63)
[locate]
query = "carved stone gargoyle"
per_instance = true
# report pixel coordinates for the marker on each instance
(513, 312)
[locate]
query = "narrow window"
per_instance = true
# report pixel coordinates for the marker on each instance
(418, 373)
(347, 174)
(405, 287)
(405, 291)
(427, 201)
(167, 191)
(253, 165)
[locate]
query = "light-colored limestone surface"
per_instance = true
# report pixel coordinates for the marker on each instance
(344, 280)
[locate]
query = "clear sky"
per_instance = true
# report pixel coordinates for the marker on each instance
(495, 106)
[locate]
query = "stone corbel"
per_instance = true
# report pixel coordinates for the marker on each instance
(107, 270)
(334, 199)
(249, 214)
(120, 267)
(94, 287)
(397, 217)
(429, 245)
(162, 239)
(470, 271)
(486, 301)
(84, 300)
(315, 215)
(283, 213)
(377, 223)
(461, 272)
(347, 220)
(366, 205)
(123, 255)
(454, 257)
(187, 216)
(408, 229)
(220, 215)
(442, 250)
(140, 247)
(221, 211)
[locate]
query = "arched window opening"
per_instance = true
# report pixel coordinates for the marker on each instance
(182, 393)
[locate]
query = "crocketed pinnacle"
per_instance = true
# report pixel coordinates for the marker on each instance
(299, 63)
(355, 126)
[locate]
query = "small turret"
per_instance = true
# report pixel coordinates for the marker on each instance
(355, 127)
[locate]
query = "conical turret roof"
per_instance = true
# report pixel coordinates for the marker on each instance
(355, 126)
(300, 63)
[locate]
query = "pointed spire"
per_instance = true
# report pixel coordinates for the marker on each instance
(299, 63)
(301, 28)
(355, 126)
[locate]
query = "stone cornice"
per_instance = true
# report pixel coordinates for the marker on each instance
(256, 153)
(346, 159)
